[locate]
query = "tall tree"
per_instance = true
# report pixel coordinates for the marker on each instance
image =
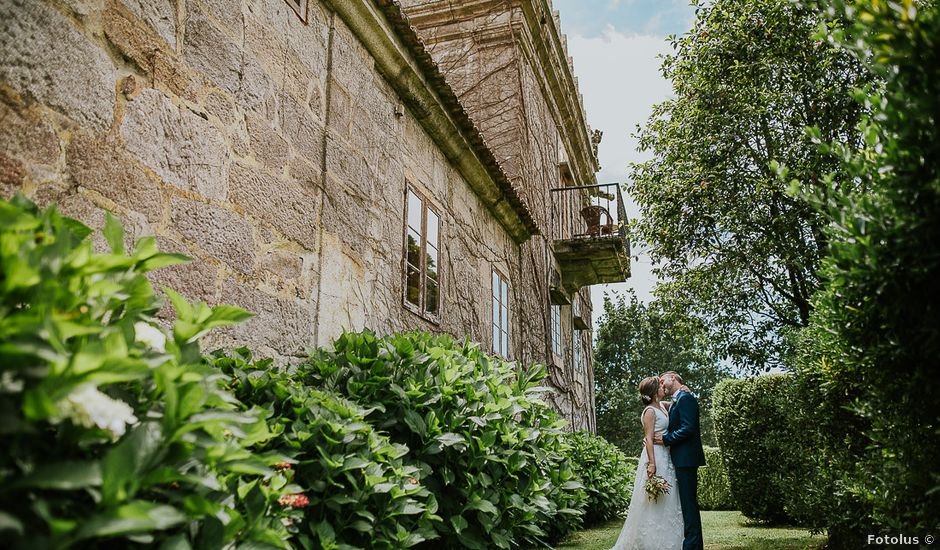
(636, 340)
(732, 247)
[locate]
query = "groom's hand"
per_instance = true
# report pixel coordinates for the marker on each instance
(658, 438)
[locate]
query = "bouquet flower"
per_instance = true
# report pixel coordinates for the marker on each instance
(656, 487)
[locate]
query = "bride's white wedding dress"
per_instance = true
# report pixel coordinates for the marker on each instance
(653, 525)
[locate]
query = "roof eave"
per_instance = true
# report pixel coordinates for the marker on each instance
(402, 59)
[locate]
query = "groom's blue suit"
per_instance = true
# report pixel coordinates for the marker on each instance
(684, 440)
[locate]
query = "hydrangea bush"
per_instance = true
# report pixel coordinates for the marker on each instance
(490, 451)
(359, 493)
(112, 430)
(607, 475)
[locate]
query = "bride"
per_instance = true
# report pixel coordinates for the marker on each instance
(653, 524)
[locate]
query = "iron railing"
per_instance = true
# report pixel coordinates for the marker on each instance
(589, 212)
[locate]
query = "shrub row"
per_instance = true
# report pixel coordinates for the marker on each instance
(491, 452)
(869, 356)
(857, 426)
(767, 431)
(753, 432)
(358, 489)
(714, 488)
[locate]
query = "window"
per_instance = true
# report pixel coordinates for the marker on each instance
(422, 256)
(500, 315)
(576, 350)
(556, 330)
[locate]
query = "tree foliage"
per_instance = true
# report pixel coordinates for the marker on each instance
(636, 340)
(732, 246)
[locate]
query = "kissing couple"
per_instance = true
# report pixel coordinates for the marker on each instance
(672, 453)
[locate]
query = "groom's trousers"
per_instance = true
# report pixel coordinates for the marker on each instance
(687, 480)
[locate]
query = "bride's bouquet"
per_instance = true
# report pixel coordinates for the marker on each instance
(656, 487)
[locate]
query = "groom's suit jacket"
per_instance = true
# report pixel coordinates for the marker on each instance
(683, 437)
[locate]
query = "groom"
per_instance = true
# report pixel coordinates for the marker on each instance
(685, 442)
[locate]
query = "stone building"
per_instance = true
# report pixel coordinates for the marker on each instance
(327, 165)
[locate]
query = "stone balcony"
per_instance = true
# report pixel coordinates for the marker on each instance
(590, 237)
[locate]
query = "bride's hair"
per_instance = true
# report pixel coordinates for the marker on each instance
(648, 388)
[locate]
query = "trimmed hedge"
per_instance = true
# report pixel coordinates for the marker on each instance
(714, 489)
(606, 473)
(492, 454)
(753, 425)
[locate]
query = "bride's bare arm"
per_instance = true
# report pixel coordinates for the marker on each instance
(649, 419)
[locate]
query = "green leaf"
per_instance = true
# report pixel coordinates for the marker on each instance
(63, 476)
(177, 542)
(126, 463)
(16, 219)
(482, 505)
(414, 421)
(134, 517)
(10, 523)
(114, 233)
(458, 523)
(145, 248)
(223, 315)
(163, 260)
(184, 310)
(450, 439)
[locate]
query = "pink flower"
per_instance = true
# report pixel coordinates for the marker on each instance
(295, 500)
(282, 466)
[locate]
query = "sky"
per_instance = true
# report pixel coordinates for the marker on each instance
(616, 46)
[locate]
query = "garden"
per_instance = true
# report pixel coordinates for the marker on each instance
(121, 431)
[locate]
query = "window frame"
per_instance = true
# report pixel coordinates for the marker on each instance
(576, 349)
(427, 206)
(301, 8)
(555, 331)
(502, 346)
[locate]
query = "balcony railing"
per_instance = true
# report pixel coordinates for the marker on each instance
(590, 235)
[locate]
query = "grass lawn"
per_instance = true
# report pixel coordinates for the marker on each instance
(722, 530)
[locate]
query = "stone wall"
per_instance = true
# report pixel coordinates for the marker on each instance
(270, 151)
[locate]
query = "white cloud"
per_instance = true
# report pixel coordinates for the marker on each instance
(619, 77)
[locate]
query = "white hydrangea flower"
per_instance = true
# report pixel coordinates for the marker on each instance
(9, 383)
(150, 336)
(86, 406)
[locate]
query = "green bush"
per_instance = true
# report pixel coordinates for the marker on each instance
(872, 349)
(362, 494)
(606, 473)
(755, 431)
(714, 489)
(491, 453)
(112, 433)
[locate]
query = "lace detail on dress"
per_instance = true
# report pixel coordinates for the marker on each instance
(653, 525)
